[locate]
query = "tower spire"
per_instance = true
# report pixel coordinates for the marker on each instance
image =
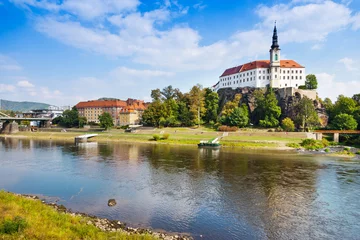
(275, 43)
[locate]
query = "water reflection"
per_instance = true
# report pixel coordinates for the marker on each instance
(220, 194)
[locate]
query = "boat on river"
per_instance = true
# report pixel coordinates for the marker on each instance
(213, 143)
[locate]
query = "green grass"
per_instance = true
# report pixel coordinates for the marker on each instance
(22, 218)
(243, 139)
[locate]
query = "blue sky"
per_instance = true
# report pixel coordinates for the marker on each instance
(65, 51)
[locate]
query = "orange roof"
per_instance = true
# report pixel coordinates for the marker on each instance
(260, 64)
(128, 104)
(101, 103)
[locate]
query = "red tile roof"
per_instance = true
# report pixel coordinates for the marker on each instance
(260, 64)
(130, 104)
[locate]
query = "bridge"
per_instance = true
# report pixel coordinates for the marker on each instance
(336, 133)
(7, 120)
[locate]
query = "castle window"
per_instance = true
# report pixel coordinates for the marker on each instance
(247, 74)
(268, 77)
(264, 77)
(275, 69)
(300, 77)
(284, 77)
(296, 85)
(264, 72)
(285, 85)
(259, 77)
(276, 57)
(288, 77)
(288, 71)
(300, 71)
(292, 71)
(296, 71)
(292, 77)
(296, 77)
(275, 76)
(247, 79)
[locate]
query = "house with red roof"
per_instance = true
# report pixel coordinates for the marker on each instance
(275, 72)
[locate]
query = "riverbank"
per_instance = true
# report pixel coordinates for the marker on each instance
(26, 216)
(248, 139)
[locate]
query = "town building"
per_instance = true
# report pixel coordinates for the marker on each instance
(276, 73)
(92, 109)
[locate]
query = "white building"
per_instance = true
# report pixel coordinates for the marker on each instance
(275, 72)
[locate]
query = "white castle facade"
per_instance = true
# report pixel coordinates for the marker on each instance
(275, 72)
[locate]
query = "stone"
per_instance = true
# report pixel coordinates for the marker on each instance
(111, 202)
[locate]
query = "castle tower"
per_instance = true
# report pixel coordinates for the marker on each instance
(275, 60)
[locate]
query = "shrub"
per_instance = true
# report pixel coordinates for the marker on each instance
(346, 149)
(325, 142)
(13, 226)
(166, 136)
(327, 150)
(288, 125)
(227, 129)
(358, 153)
(293, 145)
(156, 137)
(311, 144)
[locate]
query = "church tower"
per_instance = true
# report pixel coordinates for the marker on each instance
(275, 60)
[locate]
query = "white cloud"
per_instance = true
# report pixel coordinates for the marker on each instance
(310, 22)
(317, 46)
(25, 84)
(349, 64)
(199, 6)
(121, 71)
(8, 64)
(356, 21)
(330, 87)
(6, 88)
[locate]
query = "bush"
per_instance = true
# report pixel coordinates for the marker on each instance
(358, 153)
(156, 137)
(325, 142)
(311, 144)
(227, 129)
(288, 125)
(346, 149)
(327, 150)
(166, 136)
(293, 145)
(13, 226)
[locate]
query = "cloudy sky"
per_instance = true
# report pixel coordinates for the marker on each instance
(64, 51)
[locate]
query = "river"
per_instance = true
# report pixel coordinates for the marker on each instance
(211, 194)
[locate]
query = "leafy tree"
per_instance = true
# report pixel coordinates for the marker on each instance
(327, 103)
(231, 105)
(267, 111)
(343, 105)
(288, 125)
(156, 95)
(356, 98)
(239, 117)
(82, 121)
(197, 103)
(70, 118)
(153, 113)
(306, 114)
(311, 82)
(106, 120)
(168, 93)
(344, 122)
(211, 105)
(185, 116)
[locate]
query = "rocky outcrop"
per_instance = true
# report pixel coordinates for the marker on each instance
(288, 98)
(111, 202)
(9, 128)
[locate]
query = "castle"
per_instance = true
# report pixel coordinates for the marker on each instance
(275, 72)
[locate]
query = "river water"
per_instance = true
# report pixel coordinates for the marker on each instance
(211, 194)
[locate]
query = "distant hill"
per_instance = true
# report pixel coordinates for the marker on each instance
(21, 106)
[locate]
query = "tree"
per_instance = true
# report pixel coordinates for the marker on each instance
(344, 122)
(306, 116)
(156, 95)
(288, 125)
(342, 105)
(184, 116)
(106, 120)
(231, 105)
(356, 98)
(211, 105)
(239, 117)
(168, 93)
(311, 82)
(70, 118)
(197, 103)
(267, 111)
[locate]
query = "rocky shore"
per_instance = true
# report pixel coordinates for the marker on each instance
(108, 225)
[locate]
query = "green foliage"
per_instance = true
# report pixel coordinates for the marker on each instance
(156, 137)
(266, 111)
(357, 153)
(162, 122)
(211, 105)
(288, 125)
(311, 144)
(302, 87)
(70, 118)
(13, 226)
(325, 142)
(238, 117)
(343, 105)
(306, 114)
(25, 123)
(293, 145)
(197, 103)
(231, 105)
(311, 82)
(327, 150)
(344, 122)
(106, 120)
(166, 136)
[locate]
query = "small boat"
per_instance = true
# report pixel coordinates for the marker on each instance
(213, 143)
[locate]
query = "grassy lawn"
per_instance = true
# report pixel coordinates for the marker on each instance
(248, 138)
(22, 218)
